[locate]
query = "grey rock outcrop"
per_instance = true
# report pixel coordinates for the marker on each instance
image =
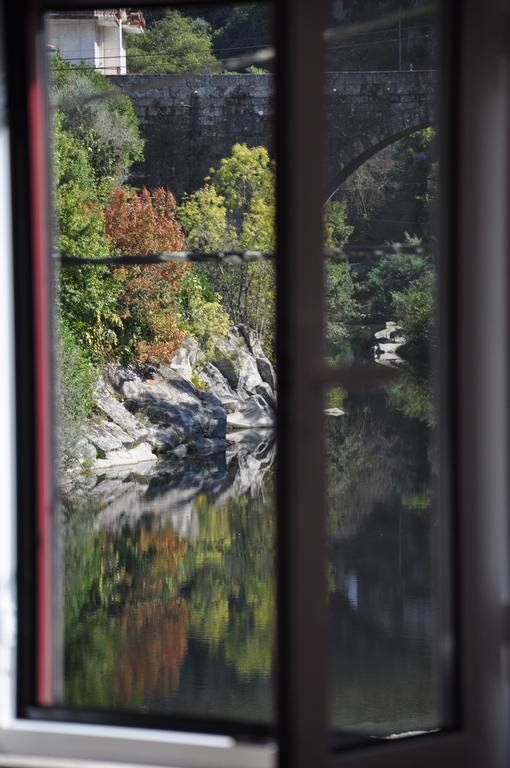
(182, 408)
(185, 359)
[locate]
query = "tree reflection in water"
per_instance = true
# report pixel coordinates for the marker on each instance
(155, 562)
(169, 576)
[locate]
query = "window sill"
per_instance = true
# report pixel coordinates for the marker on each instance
(32, 744)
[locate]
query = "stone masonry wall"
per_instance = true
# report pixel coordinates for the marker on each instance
(190, 122)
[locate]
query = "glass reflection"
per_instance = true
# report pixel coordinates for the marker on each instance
(389, 615)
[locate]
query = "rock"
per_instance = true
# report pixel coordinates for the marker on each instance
(267, 394)
(389, 340)
(236, 363)
(252, 340)
(106, 401)
(140, 453)
(249, 376)
(252, 414)
(108, 436)
(334, 412)
(185, 358)
(85, 450)
(216, 383)
(229, 369)
(157, 409)
(266, 371)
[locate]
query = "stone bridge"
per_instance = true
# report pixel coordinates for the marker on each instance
(190, 123)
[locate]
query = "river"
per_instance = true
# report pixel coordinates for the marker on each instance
(168, 596)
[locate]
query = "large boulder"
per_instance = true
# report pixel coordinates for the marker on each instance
(267, 372)
(176, 411)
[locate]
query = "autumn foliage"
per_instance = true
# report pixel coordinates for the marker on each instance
(156, 645)
(143, 224)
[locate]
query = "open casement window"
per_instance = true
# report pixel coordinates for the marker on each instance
(391, 624)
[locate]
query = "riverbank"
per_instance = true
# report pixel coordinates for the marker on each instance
(187, 407)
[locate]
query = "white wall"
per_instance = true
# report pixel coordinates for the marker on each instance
(75, 38)
(113, 51)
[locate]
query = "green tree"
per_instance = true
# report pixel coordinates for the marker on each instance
(341, 306)
(175, 43)
(235, 210)
(414, 313)
(74, 391)
(201, 308)
(247, 28)
(87, 295)
(102, 120)
(337, 231)
(393, 273)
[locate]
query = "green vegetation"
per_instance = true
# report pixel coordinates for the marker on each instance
(75, 389)
(414, 312)
(174, 43)
(393, 273)
(235, 210)
(102, 121)
(142, 314)
(203, 314)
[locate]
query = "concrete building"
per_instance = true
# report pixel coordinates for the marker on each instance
(96, 37)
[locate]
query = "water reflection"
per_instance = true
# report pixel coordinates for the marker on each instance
(169, 602)
(169, 575)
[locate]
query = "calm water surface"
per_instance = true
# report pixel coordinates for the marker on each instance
(169, 594)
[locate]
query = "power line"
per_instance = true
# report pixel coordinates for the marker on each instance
(238, 257)
(131, 54)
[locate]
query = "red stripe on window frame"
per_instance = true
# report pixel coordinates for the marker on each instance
(42, 373)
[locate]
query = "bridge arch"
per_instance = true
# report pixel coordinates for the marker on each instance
(336, 179)
(369, 111)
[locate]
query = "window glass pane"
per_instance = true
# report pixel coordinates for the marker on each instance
(163, 182)
(388, 527)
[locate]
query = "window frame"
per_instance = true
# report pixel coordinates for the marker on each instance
(475, 182)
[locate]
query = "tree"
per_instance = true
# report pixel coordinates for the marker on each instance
(246, 28)
(140, 224)
(394, 273)
(414, 313)
(337, 232)
(103, 121)
(87, 295)
(235, 210)
(175, 43)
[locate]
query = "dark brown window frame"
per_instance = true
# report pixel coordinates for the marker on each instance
(474, 167)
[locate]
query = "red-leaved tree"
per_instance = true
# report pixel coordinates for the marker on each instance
(141, 224)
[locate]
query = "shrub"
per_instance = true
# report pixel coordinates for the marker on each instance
(74, 391)
(201, 309)
(394, 273)
(148, 298)
(414, 312)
